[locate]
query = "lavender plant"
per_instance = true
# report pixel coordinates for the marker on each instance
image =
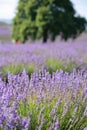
(44, 101)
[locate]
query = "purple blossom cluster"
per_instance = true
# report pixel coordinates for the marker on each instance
(11, 94)
(42, 87)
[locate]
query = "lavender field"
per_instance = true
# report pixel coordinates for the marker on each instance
(37, 56)
(43, 86)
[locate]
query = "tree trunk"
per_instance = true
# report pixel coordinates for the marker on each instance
(45, 36)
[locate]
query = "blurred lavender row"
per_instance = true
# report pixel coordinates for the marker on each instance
(39, 53)
(5, 30)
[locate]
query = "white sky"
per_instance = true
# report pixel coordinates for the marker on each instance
(81, 7)
(7, 8)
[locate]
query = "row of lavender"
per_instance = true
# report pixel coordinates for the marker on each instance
(44, 102)
(39, 53)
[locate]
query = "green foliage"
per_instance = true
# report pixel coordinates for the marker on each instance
(46, 19)
(70, 114)
(53, 65)
(15, 69)
(70, 66)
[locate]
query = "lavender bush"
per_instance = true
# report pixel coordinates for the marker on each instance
(45, 101)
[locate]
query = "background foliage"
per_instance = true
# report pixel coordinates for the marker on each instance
(46, 19)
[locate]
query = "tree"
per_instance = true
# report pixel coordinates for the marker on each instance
(45, 19)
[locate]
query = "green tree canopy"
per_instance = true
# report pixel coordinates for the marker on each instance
(45, 19)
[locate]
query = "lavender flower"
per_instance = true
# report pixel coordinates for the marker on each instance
(85, 128)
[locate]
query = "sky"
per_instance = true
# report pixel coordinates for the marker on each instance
(8, 8)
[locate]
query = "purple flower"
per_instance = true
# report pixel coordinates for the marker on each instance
(25, 123)
(85, 128)
(56, 125)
